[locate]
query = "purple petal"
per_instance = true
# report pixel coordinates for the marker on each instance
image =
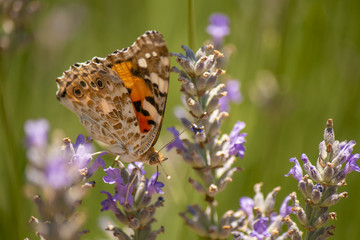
(154, 186)
(36, 132)
(237, 140)
(310, 169)
(109, 203)
(296, 171)
(260, 229)
(97, 164)
(284, 208)
(247, 205)
(236, 129)
(344, 153)
(218, 27)
(123, 191)
(233, 95)
(59, 173)
(351, 164)
(113, 176)
(176, 143)
(79, 140)
(138, 165)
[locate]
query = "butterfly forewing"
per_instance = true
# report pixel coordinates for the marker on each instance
(121, 99)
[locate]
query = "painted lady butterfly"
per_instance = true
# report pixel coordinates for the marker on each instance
(121, 99)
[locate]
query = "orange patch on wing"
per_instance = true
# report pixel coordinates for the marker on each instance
(139, 90)
(143, 122)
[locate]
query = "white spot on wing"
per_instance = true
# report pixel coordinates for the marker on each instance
(142, 62)
(147, 55)
(163, 85)
(151, 109)
(154, 53)
(165, 61)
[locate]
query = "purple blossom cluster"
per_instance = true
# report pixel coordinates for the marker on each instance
(259, 219)
(210, 153)
(218, 28)
(319, 186)
(59, 172)
(133, 194)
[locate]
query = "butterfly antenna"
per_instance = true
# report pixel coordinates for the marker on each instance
(186, 128)
(157, 170)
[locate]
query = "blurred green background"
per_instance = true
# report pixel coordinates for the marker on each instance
(298, 63)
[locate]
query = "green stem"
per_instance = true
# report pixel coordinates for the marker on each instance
(213, 213)
(11, 164)
(191, 23)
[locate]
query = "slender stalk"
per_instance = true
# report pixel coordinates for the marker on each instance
(191, 23)
(12, 161)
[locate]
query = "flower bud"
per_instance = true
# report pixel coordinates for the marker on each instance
(328, 172)
(188, 52)
(301, 215)
(197, 160)
(186, 64)
(270, 200)
(200, 66)
(302, 187)
(329, 135)
(212, 190)
(197, 186)
(315, 196)
(310, 169)
(144, 216)
(323, 150)
(213, 78)
(134, 223)
(309, 187)
(210, 62)
(321, 220)
(214, 129)
(140, 191)
(194, 107)
(333, 199)
(201, 82)
(189, 88)
(213, 104)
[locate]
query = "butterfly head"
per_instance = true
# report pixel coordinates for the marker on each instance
(154, 157)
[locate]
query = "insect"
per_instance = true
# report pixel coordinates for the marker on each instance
(121, 99)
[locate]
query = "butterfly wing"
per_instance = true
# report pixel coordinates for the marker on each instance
(144, 68)
(121, 99)
(98, 96)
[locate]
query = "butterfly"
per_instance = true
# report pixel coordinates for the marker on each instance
(121, 99)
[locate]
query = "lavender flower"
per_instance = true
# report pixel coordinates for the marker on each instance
(37, 132)
(131, 200)
(123, 194)
(113, 176)
(260, 229)
(237, 140)
(210, 153)
(260, 219)
(219, 27)
(233, 95)
(321, 182)
(296, 171)
(59, 173)
(153, 186)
